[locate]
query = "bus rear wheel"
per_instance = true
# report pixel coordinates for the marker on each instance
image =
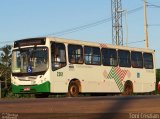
(128, 88)
(73, 89)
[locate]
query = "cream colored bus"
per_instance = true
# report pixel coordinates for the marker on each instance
(48, 65)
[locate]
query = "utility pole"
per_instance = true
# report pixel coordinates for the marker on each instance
(145, 24)
(117, 30)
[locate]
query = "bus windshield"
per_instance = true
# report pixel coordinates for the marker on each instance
(30, 60)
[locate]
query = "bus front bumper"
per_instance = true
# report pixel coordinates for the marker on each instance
(41, 88)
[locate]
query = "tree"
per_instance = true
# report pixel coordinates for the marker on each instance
(6, 55)
(5, 69)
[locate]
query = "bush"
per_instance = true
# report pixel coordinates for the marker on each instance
(157, 78)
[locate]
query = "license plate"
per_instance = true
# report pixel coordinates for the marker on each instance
(26, 89)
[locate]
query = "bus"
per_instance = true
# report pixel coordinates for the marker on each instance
(51, 65)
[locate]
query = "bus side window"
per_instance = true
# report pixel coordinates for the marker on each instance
(58, 56)
(124, 58)
(148, 60)
(75, 54)
(92, 55)
(136, 59)
(109, 57)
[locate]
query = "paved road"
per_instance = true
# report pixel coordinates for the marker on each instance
(81, 107)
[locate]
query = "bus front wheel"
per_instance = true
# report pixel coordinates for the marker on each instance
(73, 89)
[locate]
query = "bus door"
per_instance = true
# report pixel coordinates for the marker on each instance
(58, 63)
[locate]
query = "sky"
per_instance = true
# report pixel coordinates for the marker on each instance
(35, 18)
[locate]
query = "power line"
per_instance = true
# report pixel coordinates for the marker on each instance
(137, 42)
(152, 5)
(68, 31)
(80, 27)
(83, 27)
(154, 25)
(5, 42)
(135, 10)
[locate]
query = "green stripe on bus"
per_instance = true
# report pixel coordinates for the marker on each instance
(116, 77)
(41, 88)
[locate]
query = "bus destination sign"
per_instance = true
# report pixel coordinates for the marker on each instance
(28, 42)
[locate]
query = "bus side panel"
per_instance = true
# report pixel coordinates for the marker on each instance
(149, 80)
(143, 79)
(135, 75)
(101, 79)
(59, 80)
(93, 79)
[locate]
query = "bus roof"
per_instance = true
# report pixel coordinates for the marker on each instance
(96, 44)
(86, 43)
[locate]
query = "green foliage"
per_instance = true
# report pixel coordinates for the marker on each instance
(5, 69)
(157, 78)
(6, 55)
(158, 75)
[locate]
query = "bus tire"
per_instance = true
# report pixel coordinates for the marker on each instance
(128, 88)
(73, 89)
